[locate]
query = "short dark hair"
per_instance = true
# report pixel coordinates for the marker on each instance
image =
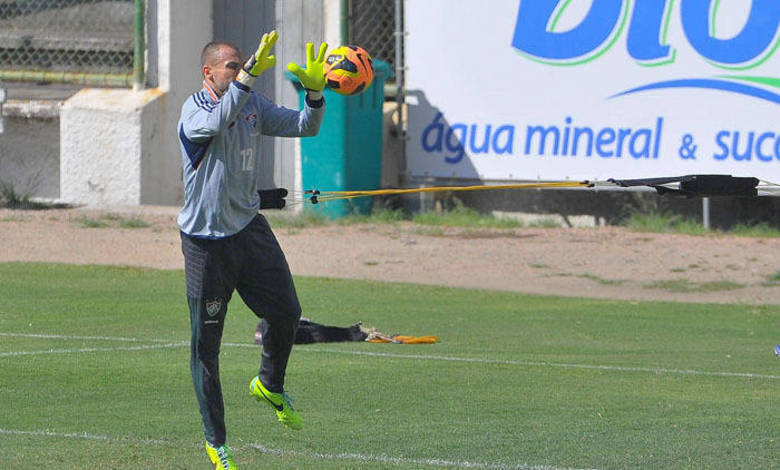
(211, 51)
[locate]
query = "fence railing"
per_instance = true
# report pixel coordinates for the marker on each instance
(88, 42)
(372, 25)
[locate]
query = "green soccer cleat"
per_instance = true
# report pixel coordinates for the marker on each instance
(220, 456)
(280, 402)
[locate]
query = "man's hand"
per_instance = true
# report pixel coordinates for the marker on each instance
(260, 60)
(313, 77)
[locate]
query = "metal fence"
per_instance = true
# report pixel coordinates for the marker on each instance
(378, 26)
(72, 41)
(372, 25)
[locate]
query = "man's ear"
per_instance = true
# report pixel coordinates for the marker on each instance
(206, 70)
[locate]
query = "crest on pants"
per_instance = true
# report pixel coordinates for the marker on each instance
(213, 306)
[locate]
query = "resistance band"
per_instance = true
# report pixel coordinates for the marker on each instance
(315, 196)
(687, 186)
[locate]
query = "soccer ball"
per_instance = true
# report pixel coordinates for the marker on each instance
(348, 70)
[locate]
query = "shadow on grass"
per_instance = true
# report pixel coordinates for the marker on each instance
(28, 205)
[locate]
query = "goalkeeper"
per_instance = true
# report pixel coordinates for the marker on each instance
(227, 244)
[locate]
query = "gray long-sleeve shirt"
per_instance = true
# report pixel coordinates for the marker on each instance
(221, 148)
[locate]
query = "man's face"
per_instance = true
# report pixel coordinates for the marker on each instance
(223, 69)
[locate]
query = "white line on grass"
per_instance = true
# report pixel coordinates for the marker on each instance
(435, 462)
(404, 461)
(76, 435)
(85, 338)
(538, 363)
(158, 343)
(89, 350)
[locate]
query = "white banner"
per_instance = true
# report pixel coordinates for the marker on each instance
(593, 89)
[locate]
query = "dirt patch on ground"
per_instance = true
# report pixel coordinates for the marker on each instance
(607, 262)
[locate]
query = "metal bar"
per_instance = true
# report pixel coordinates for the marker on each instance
(705, 212)
(399, 83)
(139, 46)
(92, 79)
(344, 22)
(62, 40)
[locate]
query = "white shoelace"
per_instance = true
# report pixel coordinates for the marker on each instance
(224, 456)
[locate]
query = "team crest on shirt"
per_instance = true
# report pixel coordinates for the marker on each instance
(213, 306)
(251, 119)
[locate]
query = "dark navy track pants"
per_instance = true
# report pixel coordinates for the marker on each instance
(252, 263)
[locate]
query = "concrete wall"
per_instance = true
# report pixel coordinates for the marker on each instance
(119, 147)
(105, 147)
(298, 22)
(109, 139)
(243, 23)
(29, 155)
(29, 146)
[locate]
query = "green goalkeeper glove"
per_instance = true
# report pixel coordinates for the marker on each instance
(312, 77)
(260, 60)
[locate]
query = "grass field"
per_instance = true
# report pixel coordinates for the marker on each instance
(94, 374)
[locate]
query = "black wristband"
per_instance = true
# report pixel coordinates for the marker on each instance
(272, 198)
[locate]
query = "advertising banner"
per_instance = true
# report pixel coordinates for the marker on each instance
(592, 89)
